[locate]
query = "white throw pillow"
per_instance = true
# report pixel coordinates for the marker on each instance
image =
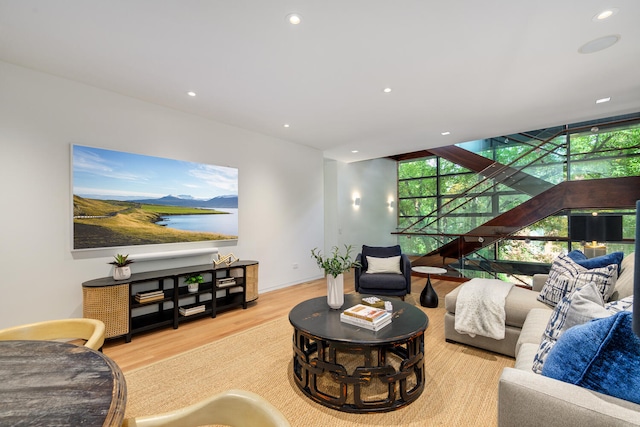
(581, 306)
(383, 265)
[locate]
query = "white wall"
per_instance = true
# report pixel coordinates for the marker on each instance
(280, 190)
(371, 223)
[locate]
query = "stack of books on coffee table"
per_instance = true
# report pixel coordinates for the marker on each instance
(371, 318)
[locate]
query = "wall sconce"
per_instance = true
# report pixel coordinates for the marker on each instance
(356, 201)
(391, 204)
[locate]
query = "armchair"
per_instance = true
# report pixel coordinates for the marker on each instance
(230, 408)
(90, 330)
(384, 277)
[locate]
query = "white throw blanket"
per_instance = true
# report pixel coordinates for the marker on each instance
(480, 308)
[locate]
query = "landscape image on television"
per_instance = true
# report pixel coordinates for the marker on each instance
(125, 199)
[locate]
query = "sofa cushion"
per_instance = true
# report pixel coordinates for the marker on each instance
(602, 355)
(624, 285)
(579, 307)
(383, 281)
(566, 275)
(517, 305)
(533, 329)
(597, 262)
(525, 356)
(383, 265)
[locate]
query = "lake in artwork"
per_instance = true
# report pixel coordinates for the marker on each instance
(219, 223)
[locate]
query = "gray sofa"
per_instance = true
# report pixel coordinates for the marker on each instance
(529, 399)
(519, 303)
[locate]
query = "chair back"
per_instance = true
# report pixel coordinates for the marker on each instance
(235, 408)
(90, 330)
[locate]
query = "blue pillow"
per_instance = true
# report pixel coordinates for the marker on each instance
(577, 255)
(602, 355)
(597, 262)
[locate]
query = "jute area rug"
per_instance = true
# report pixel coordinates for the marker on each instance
(460, 387)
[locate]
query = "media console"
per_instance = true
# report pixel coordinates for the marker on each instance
(159, 298)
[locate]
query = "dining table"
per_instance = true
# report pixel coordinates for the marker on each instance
(52, 383)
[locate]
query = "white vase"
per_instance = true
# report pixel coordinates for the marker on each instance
(121, 273)
(335, 291)
(193, 287)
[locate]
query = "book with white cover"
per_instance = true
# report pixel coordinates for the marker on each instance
(363, 324)
(367, 313)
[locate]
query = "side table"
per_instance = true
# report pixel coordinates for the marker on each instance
(429, 297)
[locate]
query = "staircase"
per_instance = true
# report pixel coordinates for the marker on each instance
(589, 194)
(544, 199)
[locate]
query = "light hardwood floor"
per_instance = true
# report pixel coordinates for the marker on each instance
(151, 347)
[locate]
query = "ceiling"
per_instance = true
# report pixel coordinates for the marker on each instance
(473, 68)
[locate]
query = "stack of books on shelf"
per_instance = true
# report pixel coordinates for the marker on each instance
(366, 316)
(191, 310)
(227, 281)
(143, 297)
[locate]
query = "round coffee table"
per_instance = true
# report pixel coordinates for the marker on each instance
(353, 369)
(429, 297)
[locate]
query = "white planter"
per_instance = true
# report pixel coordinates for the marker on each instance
(192, 287)
(121, 273)
(335, 291)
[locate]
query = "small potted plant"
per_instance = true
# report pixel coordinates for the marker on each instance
(193, 282)
(334, 266)
(121, 271)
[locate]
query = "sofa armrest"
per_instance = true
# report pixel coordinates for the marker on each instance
(527, 399)
(405, 267)
(538, 282)
(357, 271)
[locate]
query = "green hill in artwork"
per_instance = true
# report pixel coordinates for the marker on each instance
(107, 223)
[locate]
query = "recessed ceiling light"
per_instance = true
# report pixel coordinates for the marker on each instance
(354, 151)
(191, 93)
(599, 44)
(386, 90)
(286, 125)
(603, 100)
(294, 19)
(445, 133)
(605, 14)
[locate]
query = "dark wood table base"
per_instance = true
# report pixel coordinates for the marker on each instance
(359, 378)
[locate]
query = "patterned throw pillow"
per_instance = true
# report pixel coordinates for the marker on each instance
(625, 304)
(581, 306)
(566, 275)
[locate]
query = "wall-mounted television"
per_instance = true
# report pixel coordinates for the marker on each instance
(126, 199)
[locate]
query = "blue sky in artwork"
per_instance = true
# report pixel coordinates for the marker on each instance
(116, 175)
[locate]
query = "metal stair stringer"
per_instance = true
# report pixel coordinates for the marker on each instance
(609, 193)
(500, 173)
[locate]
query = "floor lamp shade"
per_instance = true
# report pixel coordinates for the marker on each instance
(600, 228)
